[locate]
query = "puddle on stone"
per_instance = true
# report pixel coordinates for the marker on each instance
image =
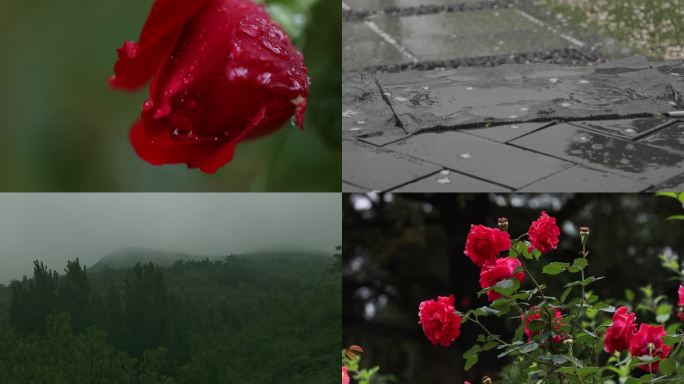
(627, 128)
(631, 159)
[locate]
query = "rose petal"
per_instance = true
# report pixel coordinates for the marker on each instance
(139, 61)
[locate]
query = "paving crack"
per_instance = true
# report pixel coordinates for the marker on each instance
(349, 14)
(386, 99)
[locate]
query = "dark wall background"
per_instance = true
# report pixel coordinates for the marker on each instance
(401, 249)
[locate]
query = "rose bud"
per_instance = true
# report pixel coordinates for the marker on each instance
(221, 71)
(503, 224)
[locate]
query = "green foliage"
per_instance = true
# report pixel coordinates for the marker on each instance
(238, 320)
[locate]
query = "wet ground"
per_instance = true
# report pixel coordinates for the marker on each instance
(479, 96)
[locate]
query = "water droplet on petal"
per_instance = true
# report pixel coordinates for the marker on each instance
(148, 105)
(179, 133)
(187, 78)
(264, 78)
(250, 30)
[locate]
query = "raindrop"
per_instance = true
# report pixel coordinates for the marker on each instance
(400, 98)
(387, 93)
(553, 80)
(354, 129)
(426, 88)
(465, 155)
(629, 131)
(515, 126)
(178, 133)
(673, 103)
(264, 78)
(349, 113)
(249, 30)
(148, 105)
(584, 81)
(470, 88)
(597, 146)
(444, 172)
(443, 180)
(236, 73)
(513, 116)
(524, 109)
(566, 105)
(582, 138)
(273, 47)
(361, 122)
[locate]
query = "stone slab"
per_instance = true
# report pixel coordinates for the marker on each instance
(384, 4)
(519, 93)
(579, 179)
(671, 137)
(364, 112)
(625, 128)
(378, 169)
(447, 181)
(675, 184)
(361, 47)
(444, 36)
(506, 133)
(634, 160)
(499, 163)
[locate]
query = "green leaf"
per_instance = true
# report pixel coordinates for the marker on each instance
(629, 295)
(675, 217)
(474, 350)
(586, 371)
(554, 268)
(565, 294)
(667, 366)
(663, 313)
(470, 362)
(536, 325)
(529, 347)
(578, 264)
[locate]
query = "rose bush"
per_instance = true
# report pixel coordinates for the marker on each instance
(221, 72)
(574, 337)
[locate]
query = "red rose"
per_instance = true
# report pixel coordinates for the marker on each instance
(648, 341)
(620, 331)
(680, 303)
(441, 324)
(484, 244)
(221, 72)
(501, 269)
(345, 375)
(543, 233)
(536, 313)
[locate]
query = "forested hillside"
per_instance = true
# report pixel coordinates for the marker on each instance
(266, 319)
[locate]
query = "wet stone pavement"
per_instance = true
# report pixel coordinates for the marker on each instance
(487, 96)
(535, 127)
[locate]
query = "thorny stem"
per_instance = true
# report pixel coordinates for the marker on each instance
(572, 359)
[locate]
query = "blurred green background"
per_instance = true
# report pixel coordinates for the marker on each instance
(63, 129)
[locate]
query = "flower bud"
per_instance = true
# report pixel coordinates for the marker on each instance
(503, 224)
(584, 233)
(486, 380)
(568, 341)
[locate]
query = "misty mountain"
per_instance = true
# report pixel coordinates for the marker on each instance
(129, 257)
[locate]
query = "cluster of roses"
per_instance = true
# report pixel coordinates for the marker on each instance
(439, 319)
(622, 335)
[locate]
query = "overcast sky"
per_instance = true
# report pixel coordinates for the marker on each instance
(57, 227)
